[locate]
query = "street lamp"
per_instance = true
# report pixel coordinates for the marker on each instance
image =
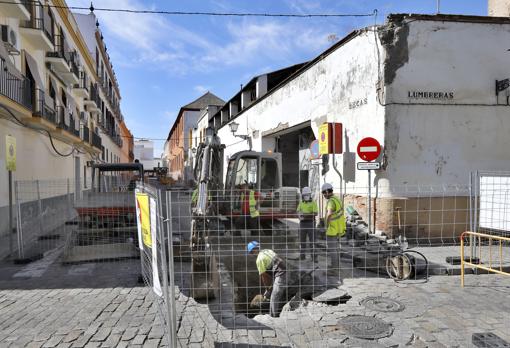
(233, 128)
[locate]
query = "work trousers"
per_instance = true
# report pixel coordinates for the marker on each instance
(252, 224)
(332, 244)
(307, 231)
(278, 295)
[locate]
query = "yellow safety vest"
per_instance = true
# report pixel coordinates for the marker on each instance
(337, 224)
(307, 207)
(253, 204)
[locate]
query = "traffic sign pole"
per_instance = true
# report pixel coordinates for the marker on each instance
(369, 150)
(369, 200)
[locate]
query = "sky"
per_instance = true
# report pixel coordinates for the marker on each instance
(163, 62)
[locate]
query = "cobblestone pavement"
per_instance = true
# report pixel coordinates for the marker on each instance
(101, 305)
(438, 313)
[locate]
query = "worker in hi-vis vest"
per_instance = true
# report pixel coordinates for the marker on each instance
(273, 275)
(334, 221)
(250, 201)
(307, 211)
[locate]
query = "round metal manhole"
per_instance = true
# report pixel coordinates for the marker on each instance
(382, 304)
(361, 326)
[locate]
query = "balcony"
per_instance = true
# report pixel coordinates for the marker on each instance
(60, 113)
(42, 112)
(16, 9)
(85, 133)
(96, 141)
(18, 89)
(62, 62)
(38, 30)
(72, 127)
(92, 103)
(81, 88)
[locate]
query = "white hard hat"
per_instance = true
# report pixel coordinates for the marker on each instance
(306, 191)
(326, 187)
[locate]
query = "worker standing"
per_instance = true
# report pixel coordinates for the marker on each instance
(307, 210)
(273, 275)
(335, 224)
(250, 208)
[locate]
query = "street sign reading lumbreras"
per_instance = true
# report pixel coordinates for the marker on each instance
(369, 165)
(369, 149)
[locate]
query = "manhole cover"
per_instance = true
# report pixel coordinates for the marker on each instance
(365, 327)
(382, 304)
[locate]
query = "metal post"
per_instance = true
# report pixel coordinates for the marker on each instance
(10, 214)
(19, 229)
(69, 206)
(173, 316)
(160, 236)
(39, 207)
(369, 205)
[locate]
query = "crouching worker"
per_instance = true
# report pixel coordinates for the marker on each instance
(273, 275)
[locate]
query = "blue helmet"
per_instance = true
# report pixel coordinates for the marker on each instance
(252, 245)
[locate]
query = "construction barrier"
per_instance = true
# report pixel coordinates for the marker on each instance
(476, 238)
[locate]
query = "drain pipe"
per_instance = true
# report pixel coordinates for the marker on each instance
(341, 178)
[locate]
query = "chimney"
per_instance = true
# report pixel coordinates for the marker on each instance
(499, 8)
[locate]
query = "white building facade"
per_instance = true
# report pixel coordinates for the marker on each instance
(421, 85)
(50, 98)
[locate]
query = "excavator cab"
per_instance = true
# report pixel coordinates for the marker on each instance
(261, 172)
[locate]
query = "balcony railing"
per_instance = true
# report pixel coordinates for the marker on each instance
(40, 19)
(96, 140)
(83, 84)
(72, 127)
(85, 133)
(60, 51)
(94, 95)
(40, 109)
(15, 88)
(60, 112)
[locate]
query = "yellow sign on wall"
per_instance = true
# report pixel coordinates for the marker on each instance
(144, 218)
(324, 139)
(10, 153)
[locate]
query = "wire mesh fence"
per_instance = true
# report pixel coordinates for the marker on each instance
(239, 266)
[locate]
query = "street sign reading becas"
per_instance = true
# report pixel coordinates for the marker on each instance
(10, 153)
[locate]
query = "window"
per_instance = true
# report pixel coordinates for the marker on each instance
(246, 172)
(84, 176)
(269, 174)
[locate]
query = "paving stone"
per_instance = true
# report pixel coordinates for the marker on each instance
(129, 334)
(112, 341)
(101, 335)
(53, 342)
(154, 343)
(139, 339)
(72, 336)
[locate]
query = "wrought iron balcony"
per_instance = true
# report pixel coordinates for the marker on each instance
(72, 127)
(96, 140)
(60, 112)
(18, 89)
(85, 133)
(39, 28)
(40, 109)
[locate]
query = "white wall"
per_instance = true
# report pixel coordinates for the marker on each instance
(321, 94)
(441, 144)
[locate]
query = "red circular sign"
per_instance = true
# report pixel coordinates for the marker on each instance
(369, 149)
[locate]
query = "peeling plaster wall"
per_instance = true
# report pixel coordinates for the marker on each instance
(322, 93)
(439, 144)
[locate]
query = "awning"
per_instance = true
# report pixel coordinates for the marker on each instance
(7, 61)
(32, 65)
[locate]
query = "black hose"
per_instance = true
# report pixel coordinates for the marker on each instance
(403, 253)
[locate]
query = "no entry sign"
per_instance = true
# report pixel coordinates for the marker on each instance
(369, 149)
